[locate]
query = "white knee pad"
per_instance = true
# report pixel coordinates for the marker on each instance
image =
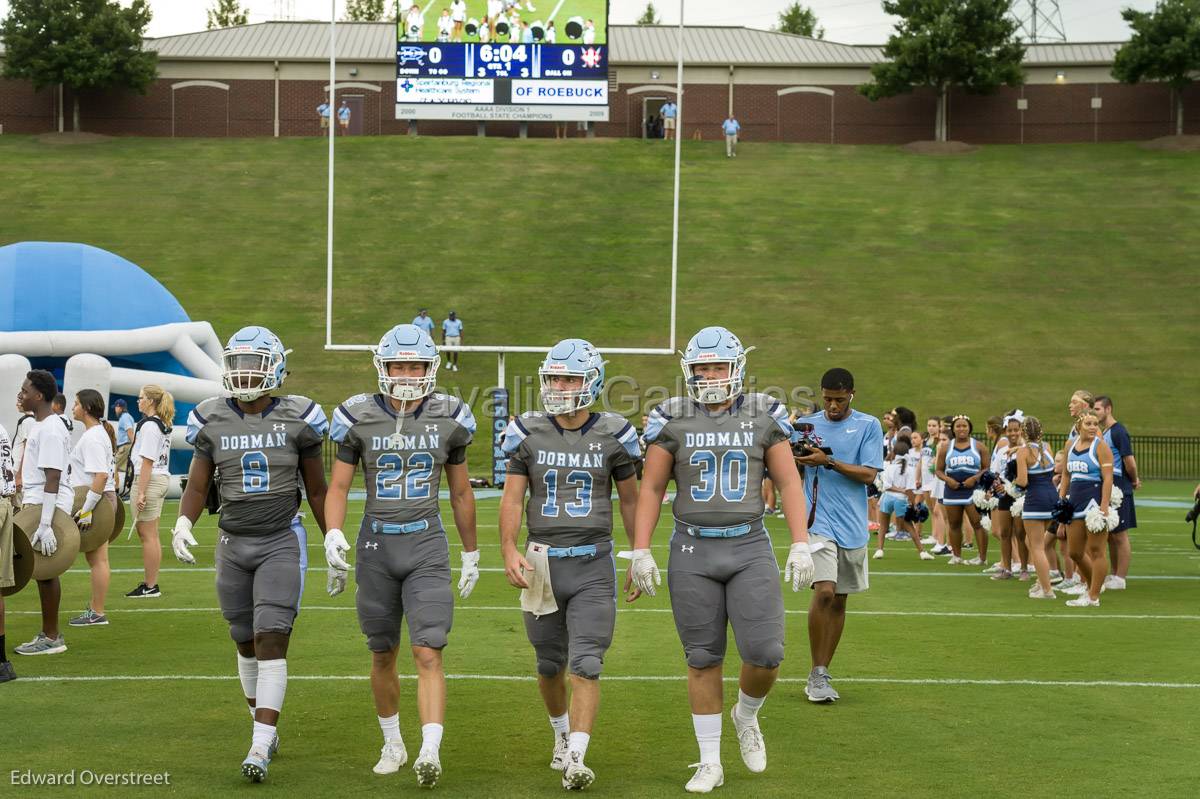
(272, 684)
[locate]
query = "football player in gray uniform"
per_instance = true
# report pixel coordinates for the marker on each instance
(717, 443)
(261, 446)
(568, 459)
(405, 437)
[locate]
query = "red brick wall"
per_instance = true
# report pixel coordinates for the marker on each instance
(1055, 113)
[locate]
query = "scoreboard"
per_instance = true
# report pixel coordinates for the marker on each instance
(495, 79)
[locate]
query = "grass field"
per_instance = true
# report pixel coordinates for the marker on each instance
(1009, 277)
(952, 685)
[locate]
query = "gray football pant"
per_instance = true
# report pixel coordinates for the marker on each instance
(581, 630)
(260, 579)
(719, 581)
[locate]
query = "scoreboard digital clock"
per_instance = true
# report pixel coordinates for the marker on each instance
(485, 63)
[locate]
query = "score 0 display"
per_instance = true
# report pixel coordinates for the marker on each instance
(490, 60)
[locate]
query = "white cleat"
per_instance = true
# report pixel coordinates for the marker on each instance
(1075, 590)
(878, 554)
(254, 767)
(707, 777)
(926, 556)
(577, 776)
(391, 757)
(273, 749)
(1036, 592)
(975, 561)
(428, 769)
(750, 741)
(955, 560)
(561, 747)
(1114, 583)
(1083, 602)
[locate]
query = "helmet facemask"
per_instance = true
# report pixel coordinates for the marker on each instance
(559, 402)
(248, 374)
(406, 388)
(713, 391)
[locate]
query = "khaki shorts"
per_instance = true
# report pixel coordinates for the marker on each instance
(453, 341)
(847, 568)
(668, 123)
(7, 577)
(121, 457)
(156, 492)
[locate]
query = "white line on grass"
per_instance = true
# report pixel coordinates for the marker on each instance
(918, 613)
(647, 678)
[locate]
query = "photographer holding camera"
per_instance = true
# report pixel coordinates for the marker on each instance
(1193, 515)
(840, 451)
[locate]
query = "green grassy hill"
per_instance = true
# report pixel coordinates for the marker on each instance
(1009, 277)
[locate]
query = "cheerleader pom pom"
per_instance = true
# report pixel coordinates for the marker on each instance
(1063, 511)
(1011, 489)
(1116, 498)
(987, 480)
(1113, 518)
(1095, 521)
(922, 512)
(1010, 470)
(986, 523)
(1018, 508)
(984, 500)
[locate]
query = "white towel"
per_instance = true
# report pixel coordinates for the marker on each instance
(538, 598)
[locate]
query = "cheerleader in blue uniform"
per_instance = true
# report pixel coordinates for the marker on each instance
(1087, 484)
(960, 463)
(1035, 475)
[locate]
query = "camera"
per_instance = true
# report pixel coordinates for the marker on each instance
(1194, 513)
(806, 441)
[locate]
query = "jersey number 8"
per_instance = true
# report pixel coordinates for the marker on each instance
(256, 475)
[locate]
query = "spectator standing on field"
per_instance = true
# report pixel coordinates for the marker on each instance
(124, 428)
(323, 113)
(731, 128)
(452, 337)
(344, 118)
(424, 321)
(669, 111)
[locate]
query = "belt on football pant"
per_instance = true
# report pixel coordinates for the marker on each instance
(585, 551)
(737, 531)
(387, 528)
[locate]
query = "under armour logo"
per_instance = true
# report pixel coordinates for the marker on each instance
(280, 426)
(371, 545)
(224, 539)
(687, 547)
(431, 428)
(594, 446)
(747, 425)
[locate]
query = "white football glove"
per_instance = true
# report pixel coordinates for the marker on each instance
(470, 573)
(182, 538)
(335, 581)
(799, 568)
(44, 540)
(644, 570)
(336, 549)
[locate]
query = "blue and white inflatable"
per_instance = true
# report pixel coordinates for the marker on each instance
(98, 321)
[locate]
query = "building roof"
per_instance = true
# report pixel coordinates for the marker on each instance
(629, 44)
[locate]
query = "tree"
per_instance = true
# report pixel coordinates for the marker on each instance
(227, 14)
(944, 43)
(81, 44)
(649, 16)
(1165, 47)
(799, 20)
(365, 10)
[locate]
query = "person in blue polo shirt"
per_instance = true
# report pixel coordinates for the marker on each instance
(424, 321)
(841, 451)
(669, 111)
(124, 442)
(731, 128)
(452, 336)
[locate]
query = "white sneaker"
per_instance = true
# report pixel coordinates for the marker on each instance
(1083, 602)
(975, 561)
(428, 768)
(750, 741)
(955, 560)
(927, 540)
(878, 554)
(561, 747)
(995, 567)
(707, 777)
(577, 776)
(1055, 574)
(1036, 592)
(1114, 583)
(1078, 589)
(1067, 582)
(391, 757)
(926, 556)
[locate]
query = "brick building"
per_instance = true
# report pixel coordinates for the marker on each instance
(267, 79)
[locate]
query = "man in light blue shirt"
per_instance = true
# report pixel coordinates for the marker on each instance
(452, 328)
(323, 113)
(731, 128)
(424, 321)
(841, 451)
(669, 111)
(124, 443)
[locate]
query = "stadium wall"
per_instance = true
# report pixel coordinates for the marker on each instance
(232, 98)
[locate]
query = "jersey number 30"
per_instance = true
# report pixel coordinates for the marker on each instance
(731, 481)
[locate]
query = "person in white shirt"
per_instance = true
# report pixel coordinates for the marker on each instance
(458, 16)
(494, 9)
(44, 477)
(8, 486)
(24, 424)
(93, 467)
(899, 495)
(151, 477)
(414, 23)
(589, 32)
(551, 33)
(444, 25)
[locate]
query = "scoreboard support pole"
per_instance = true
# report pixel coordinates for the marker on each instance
(524, 131)
(481, 129)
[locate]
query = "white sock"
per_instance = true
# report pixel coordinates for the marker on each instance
(391, 728)
(272, 684)
(263, 735)
(578, 742)
(431, 737)
(561, 724)
(248, 674)
(708, 735)
(747, 707)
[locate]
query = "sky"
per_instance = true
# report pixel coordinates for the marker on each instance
(850, 21)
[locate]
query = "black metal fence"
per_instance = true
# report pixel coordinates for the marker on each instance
(1158, 457)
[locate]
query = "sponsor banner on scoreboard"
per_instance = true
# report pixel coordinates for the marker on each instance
(576, 92)
(444, 90)
(503, 113)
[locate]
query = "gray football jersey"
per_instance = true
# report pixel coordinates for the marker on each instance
(570, 474)
(719, 458)
(258, 458)
(402, 455)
